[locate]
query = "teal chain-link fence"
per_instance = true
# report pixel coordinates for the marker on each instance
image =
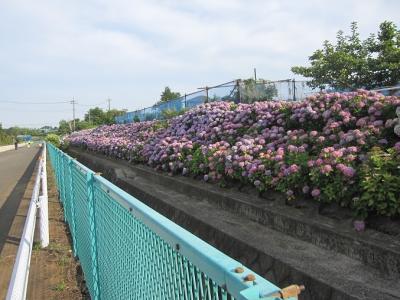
(129, 251)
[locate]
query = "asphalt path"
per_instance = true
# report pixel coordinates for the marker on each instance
(16, 168)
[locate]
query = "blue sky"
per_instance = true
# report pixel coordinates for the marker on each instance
(126, 50)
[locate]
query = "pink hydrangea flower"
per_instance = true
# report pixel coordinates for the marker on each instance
(326, 169)
(306, 189)
(397, 146)
(315, 193)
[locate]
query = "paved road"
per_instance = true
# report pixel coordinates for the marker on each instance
(16, 168)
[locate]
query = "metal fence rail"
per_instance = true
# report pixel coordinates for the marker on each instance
(129, 251)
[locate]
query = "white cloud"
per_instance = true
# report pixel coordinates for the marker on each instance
(130, 49)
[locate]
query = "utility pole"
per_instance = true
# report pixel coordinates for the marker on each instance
(109, 105)
(73, 102)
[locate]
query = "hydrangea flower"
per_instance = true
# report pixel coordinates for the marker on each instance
(313, 142)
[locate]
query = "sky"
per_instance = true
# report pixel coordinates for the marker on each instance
(53, 51)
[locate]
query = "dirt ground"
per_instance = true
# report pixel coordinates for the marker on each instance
(54, 272)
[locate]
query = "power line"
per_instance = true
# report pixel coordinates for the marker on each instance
(31, 111)
(90, 105)
(27, 124)
(19, 102)
(59, 102)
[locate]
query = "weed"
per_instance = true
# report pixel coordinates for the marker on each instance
(36, 246)
(63, 260)
(60, 287)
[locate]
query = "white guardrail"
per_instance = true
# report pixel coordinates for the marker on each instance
(19, 279)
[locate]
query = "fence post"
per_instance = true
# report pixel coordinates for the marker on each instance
(57, 172)
(44, 204)
(206, 94)
(185, 101)
(72, 198)
(238, 100)
(93, 240)
(64, 188)
(294, 89)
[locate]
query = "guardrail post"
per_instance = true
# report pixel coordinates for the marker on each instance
(44, 204)
(93, 240)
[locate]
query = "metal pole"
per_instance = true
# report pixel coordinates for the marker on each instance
(206, 94)
(44, 206)
(73, 112)
(294, 89)
(255, 74)
(185, 101)
(238, 90)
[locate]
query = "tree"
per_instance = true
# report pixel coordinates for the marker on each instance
(168, 95)
(111, 114)
(251, 90)
(15, 130)
(64, 127)
(385, 64)
(95, 116)
(5, 139)
(352, 63)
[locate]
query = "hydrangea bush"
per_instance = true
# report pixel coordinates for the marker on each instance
(332, 147)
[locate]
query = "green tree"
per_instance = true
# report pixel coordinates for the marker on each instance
(168, 95)
(260, 90)
(352, 63)
(5, 139)
(82, 124)
(111, 114)
(95, 116)
(15, 130)
(385, 63)
(64, 127)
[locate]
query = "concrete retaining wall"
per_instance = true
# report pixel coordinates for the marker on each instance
(282, 244)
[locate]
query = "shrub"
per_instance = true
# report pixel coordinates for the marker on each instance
(380, 182)
(167, 114)
(319, 147)
(53, 139)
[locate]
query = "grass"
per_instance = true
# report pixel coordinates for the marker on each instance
(57, 247)
(60, 287)
(63, 261)
(36, 246)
